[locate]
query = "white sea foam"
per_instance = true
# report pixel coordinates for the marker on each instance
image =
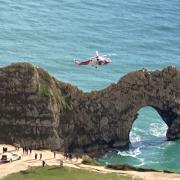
(141, 162)
(157, 129)
(132, 153)
(134, 137)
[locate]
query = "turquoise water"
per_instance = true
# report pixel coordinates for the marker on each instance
(136, 33)
(149, 148)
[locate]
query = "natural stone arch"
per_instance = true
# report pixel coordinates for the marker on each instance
(108, 115)
(159, 89)
(40, 110)
(154, 117)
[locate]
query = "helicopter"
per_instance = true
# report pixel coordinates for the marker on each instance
(95, 61)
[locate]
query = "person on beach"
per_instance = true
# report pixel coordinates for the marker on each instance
(65, 155)
(4, 149)
(43, 163)
(70, 156)
(54, 154)
(40, 156)
(35, 156)
(30, 150)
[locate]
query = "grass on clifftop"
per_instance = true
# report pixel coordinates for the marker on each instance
(63, 173)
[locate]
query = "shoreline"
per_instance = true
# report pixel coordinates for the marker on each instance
(28, 161)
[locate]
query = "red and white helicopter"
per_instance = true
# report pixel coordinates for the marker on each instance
(95, 61)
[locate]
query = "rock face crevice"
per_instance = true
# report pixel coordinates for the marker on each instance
(39, 111)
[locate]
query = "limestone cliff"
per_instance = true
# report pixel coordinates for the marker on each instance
(39, 111)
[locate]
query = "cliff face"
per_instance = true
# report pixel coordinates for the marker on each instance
(39, 111)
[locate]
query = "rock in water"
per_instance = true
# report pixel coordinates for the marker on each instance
(39, 111)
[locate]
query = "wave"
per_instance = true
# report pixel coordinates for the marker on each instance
(131, 153)
(158, 130)
(135, 138)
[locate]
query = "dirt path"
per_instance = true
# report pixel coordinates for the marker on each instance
(28, 161)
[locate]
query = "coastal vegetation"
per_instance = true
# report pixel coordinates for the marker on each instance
(63, 173)
(126, 167)
(89, 161)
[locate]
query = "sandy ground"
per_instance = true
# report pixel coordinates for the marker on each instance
(29, 160)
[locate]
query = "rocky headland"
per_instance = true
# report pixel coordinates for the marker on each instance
(39, 111)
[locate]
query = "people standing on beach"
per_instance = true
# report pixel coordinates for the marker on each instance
(43, 163)
(30, 150)
(18, 147)
(4, 149)
(40, 156)
(35, 156)
(76, 157)
(54, 154)
(70, 156)
(66, 155)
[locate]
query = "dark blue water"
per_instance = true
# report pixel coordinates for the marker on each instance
(136, 33)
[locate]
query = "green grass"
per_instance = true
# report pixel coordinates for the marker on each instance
(45, 90)
(63, 173)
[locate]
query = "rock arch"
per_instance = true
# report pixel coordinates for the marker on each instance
(108, 115)
(158, 89)
(36, 109)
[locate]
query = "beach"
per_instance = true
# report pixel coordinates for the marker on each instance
(28, 161)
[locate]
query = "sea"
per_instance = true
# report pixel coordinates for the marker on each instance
(135, 34)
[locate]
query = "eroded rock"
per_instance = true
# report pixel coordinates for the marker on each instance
(39, 111)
